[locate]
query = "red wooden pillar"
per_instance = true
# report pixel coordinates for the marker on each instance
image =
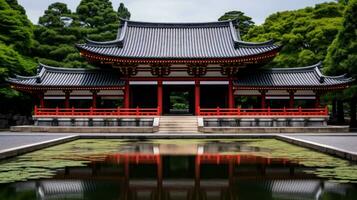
(159, 96)
(291, 99)
(197, 97)
(263, 98)
(197, 171)
(41, 96)
(66, 100)
(159, 173)
(230, 95)
(94, 98)
(317, 100)
(127, 95)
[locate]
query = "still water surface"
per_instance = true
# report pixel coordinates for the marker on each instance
(177, 169)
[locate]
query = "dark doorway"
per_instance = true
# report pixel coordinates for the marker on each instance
(143, 96)
(213, 96)
(178, 99)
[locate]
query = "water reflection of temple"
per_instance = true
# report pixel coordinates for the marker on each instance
(169, 171)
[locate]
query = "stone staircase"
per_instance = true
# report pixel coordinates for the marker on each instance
(178, 124)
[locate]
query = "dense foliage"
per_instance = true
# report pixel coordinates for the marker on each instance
(305, 33)
(16, 41)
(60, 29)
(243, 22)
(342, 55)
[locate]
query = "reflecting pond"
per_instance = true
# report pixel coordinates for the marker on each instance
(177, 169)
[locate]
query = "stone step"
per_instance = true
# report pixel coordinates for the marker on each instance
(177, 128)
(178, 124)
(178, 120)
(168, 132)
(182, 123)
(181, 117)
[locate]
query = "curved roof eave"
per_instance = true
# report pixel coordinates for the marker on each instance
(224, 35)
(275, 48)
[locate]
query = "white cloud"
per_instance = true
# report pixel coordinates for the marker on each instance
(183, 10)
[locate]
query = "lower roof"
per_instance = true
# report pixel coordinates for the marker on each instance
(53, 77)
(279, 78)
(300, 78)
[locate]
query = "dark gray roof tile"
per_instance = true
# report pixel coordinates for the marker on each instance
(310, 76)
(64, 77)
(178, 41)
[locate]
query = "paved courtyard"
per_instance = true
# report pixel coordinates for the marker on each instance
(10, 140)
(342, 142)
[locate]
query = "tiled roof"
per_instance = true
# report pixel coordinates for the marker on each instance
(65, 77)
(289, 77)
(143, 40)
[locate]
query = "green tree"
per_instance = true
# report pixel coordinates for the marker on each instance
(58, 31)
(15, 28)
(99, 18)
(54, 16)
(244, 22)
(15, 6)
(342, 54)
(305, 34)
(123, 12)
(16, 40)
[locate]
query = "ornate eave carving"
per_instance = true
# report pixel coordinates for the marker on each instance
(160, 70)
(128, 69)
(197, 69)
(229, 69)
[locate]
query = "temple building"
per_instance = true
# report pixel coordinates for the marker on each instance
(149, 65)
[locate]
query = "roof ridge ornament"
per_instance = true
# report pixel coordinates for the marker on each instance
(255, 44)
(235, 36)
(289, 69)
(119, 41)
(318, 73)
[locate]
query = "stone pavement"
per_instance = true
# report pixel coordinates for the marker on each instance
(344, 142)
(15, 140)
(343, 145)
(16, 144)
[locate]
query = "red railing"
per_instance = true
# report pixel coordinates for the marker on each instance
(96, 111)
(263, 111)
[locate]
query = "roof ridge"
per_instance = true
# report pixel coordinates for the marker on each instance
(242, 43)
(72, 70)
(177, 24)
(288, 69)
(118, 41)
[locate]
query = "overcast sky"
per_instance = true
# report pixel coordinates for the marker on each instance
(183, 10)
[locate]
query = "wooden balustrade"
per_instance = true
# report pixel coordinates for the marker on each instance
(202, 111)
(263, 111)
(96, 111)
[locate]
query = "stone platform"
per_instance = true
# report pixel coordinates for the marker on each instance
(327, 129)
(73, 129)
